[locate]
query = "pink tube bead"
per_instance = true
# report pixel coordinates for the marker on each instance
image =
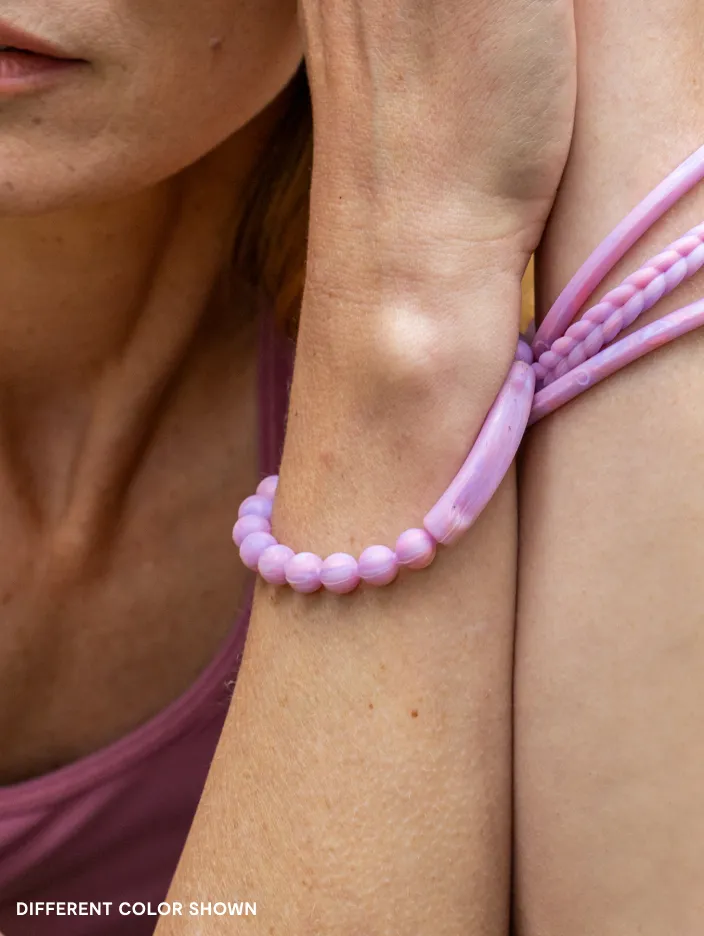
(272, 563)
(267, 487)
(340, 573)
(489, 460)
(253, 546)
(415, 549)
(378, 565)
(250, 523)
(255, 504)
(303, 572)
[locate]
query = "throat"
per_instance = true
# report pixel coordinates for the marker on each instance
(67, 461)
(93, 349)
(70, 467)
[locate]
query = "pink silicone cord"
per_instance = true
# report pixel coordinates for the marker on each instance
(616, 356)
(614, 247)
(622, 306)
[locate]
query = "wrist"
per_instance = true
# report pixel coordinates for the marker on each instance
(403, 371)
(414, 226)
(381, 420)
(362, 324)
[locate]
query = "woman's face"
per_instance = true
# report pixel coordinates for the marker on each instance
(165, 82)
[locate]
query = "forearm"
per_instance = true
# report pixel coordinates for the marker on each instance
(362, 781)
(609, 645)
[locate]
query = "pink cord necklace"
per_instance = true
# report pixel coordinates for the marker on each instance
(565, 360)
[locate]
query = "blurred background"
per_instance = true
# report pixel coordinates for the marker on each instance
(528, 307)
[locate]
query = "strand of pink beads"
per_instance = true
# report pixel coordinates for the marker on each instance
(305, 572)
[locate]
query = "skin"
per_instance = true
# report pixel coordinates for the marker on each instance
(362, 782)
(149, 63)
(113, 444)
(368, 734)
(610, 648)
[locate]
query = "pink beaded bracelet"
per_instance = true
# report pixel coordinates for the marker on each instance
(472, 488)
(565, 367)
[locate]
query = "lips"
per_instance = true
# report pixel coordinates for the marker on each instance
(14, 41)
(19, 66)
(29, 63)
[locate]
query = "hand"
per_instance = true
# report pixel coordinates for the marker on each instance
(463, 108)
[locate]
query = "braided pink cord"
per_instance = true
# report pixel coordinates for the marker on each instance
(614, 247)
(620, 307)
(618, 355)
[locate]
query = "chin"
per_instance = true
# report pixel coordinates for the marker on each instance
(43, 177)
(26, 198)
(76, 177)
(43, 173)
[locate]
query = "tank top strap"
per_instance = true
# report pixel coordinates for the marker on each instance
(275, 371)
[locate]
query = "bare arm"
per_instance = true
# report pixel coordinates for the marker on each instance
(610, 644)
(363, 775)
(362, 781)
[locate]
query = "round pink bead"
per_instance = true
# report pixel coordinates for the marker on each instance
(339, 573)
(524, 352)
(303, 572)
(415, 549)
(250, 523)
(253, 546)
(378, 565)
(267, 487)
(255, 504)
(272, 563)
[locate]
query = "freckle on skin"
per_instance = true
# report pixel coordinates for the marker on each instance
(37, 121)
(414, 713)
(371, 705)
(10, 187)
(216, 43)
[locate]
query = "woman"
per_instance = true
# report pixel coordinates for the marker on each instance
(136, 352)
(154, 168)
(148, 178)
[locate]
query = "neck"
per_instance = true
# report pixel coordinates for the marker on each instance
(100, 309)
(77, 286)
